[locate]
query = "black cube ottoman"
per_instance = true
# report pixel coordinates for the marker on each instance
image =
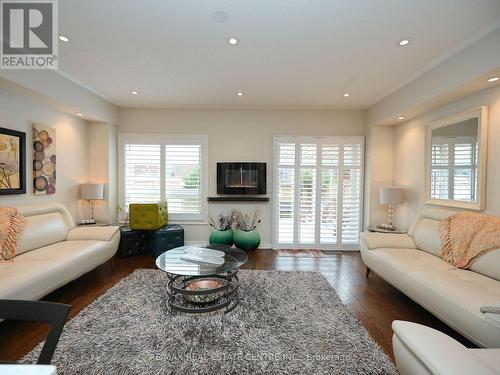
(132, 242)
(166, 238)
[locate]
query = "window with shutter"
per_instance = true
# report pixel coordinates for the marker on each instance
(318, 192)
(165, 168)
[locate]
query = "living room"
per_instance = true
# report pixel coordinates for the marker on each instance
(264, 187)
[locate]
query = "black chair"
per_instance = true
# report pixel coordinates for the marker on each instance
(49, 312)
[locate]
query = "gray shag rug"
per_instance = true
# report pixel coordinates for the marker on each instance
(286, 323)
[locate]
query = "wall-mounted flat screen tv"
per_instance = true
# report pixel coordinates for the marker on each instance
(241, 178)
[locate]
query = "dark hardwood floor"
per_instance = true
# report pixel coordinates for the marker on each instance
(374, 302)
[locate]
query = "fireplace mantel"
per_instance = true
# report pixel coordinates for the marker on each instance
(239, 199)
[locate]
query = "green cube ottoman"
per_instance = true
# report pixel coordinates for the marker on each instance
(148, 216)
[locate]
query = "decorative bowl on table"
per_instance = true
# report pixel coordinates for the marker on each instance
(201, 285)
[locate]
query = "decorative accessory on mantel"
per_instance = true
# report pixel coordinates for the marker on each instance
(12, 226)
(466, 236)
(391, 196)
(91, 192)
(303, 328)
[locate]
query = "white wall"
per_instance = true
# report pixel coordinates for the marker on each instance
(459, 75)
(18, 111)
(378, 171)
(455, 77)
(103, 168)
(409, 144)
(60, 92)
(239, 135)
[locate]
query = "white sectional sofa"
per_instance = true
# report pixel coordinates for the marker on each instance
(420, 350)
(53, 252)
(412, 263)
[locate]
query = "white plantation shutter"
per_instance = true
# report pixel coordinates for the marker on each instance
(440, 160)
(171, 169)
(318, 185)
(464, 171)
(142, 173)
(286, 200)
(329, 193)
(307, 193)
(351, 196)
(286, 192)
(307, 205)
(182, 178)
(454, 168)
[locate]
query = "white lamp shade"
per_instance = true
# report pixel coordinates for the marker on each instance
(92, 191)
(391, 195)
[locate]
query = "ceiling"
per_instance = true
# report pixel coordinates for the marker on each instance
(291, 54)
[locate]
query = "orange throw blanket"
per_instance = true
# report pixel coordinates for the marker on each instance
(466, 236)
(12, 226)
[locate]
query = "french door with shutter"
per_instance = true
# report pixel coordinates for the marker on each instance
(318, 190)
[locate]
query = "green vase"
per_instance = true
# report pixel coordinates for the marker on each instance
(221, 237)
(246, 240)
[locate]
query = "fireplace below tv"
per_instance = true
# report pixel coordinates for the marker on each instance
(241, 178)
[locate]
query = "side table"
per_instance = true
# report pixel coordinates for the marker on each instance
(386, 231)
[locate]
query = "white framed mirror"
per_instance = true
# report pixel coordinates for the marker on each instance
(455, 160)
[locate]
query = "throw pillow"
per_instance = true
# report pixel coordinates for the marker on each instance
(12, 226)
(492, 309)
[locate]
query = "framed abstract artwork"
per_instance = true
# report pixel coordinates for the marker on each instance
(12, 162)
(44, 160)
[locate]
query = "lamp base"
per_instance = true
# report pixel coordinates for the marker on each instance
(87, 222)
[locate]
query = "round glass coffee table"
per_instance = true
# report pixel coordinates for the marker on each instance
(196, 287)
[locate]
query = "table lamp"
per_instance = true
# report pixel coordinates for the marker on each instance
(91, 192)
(391, 196)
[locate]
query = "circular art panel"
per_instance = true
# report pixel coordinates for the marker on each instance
(44, 160)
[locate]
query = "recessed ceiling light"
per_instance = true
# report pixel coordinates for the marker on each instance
(401, 118)
(63, 38)
(493, 79)
(346, 95)
(404, 42)
(133, 92)
(233, 41)
(79, 114)
(239, 93)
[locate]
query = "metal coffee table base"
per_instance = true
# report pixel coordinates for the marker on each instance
(183, 298)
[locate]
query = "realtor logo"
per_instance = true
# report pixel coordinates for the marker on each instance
(28, 34)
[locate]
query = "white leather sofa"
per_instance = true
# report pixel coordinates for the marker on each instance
(53, 252)
(420, 350)
(412, 263)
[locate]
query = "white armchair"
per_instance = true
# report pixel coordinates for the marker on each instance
(422, 350)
